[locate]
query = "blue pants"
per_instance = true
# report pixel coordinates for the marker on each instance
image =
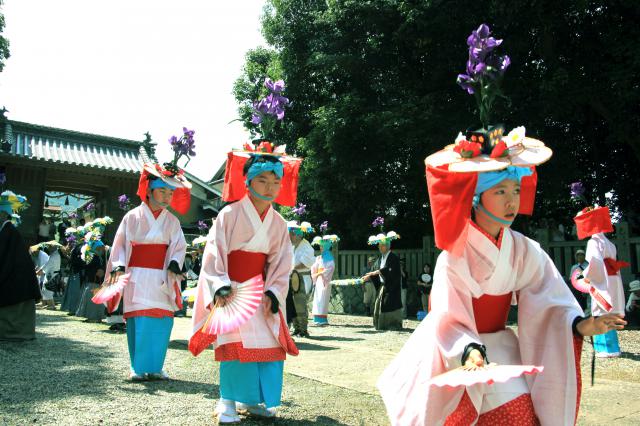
(252, 382)
(606, 343)
(148, 340)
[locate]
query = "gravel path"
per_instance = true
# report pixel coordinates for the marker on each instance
(74, 373)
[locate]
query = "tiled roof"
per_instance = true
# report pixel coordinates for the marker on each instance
(60, 149)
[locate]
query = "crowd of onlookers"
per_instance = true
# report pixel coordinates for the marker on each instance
(68, 283)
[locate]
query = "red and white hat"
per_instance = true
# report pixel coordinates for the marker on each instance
(235, 182)
(181, 200)
(593, 220)
(452, 178)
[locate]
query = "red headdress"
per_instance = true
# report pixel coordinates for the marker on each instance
(234, 181)
(181, 200)
(590, 221)
(452, 176)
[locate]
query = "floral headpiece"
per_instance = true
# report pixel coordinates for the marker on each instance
(325, 239)
(382, 238)
(49, 244)
(300, 229)
(12, 203)
(268, 111)
(485, 149)
(170, 174)
(200, 241)
(92, 240)
(452, 173)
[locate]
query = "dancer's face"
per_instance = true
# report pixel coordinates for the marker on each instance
(267, 184)
(160, 197)
(502, 200)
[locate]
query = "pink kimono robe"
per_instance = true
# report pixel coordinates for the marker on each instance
(322, 283)
(610, 287)
(147, 291)
(515, 266)
(265, 336)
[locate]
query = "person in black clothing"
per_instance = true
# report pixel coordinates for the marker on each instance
(73, 292)
(424, 286)
(19, 288)
(387, 314)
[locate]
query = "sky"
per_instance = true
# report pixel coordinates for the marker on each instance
(124, 67)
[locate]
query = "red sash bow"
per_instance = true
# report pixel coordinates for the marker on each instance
(613, 266)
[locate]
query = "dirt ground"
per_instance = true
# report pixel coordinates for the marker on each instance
(74, 373)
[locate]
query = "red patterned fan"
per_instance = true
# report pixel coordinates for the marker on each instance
(581, 286)
(490, 374)
(240, 306)
(108, 292)
(584, 287)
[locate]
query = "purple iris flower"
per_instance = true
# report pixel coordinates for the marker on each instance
(73, 215)
(300, 210)
(324, 226)
(124, 201)
(275, 87)
(202, 225)
(272, 105)
(577, 190)
(378, 221)
(90, 207)
(482, 62)
(71, 239)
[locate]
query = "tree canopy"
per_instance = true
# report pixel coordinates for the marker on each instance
(373, 86)
(4, 43)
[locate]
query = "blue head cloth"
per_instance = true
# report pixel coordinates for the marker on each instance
(297, 231)
(6, 207)
(94, 244)
(487, 180)
(257, 168)
(159, 183)
(326, 254)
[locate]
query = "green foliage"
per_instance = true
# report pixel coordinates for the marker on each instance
(4, 43)
(374, 92)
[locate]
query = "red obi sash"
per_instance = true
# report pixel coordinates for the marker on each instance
(491, 312)
(243, 265)
(147, 255)
(613, 266)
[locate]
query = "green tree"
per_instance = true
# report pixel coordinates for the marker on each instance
(4, 43)
(373, 90)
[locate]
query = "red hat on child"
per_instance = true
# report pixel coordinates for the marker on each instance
(235, 186)
(590, 221)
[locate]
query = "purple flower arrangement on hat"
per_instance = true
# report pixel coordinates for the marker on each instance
(268, 111)
(184, 146)
(378, 222)
(300, 209)
(324, 226)
(484, 70)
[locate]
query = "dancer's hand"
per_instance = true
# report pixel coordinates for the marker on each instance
(601, 325)
(222, 296)
(474, 361)
(271, 304)
(114, 276)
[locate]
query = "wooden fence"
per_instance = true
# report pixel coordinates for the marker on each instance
(350, 263)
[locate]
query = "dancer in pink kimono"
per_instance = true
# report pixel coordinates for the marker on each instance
(145, 265)
(249, 239)
(321, 274)
(446, 372)
(602, 275)
(484, 268)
